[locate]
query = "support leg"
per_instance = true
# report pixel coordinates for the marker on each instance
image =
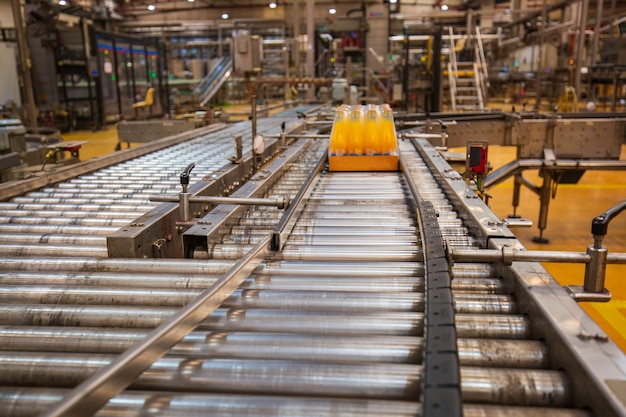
(517, 186)
(544, 201)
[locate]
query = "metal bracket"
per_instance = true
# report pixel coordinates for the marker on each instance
(578, 293)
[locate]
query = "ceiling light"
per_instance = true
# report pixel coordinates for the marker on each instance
(273, 5)
(332, 10)
(191, 1)
(225, 16)
(393, 1)
(151, 7)
(62, 3)
(444, 7)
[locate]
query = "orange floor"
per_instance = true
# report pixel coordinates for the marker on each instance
(569, 222)
(569, 229)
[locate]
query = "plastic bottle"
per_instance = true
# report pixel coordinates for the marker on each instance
(372, 131)
(356, 125)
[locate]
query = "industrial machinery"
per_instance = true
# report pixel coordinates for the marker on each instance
(561, 147)
(271, 285)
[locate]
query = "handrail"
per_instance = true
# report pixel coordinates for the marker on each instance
(452, 52)
(283, 229)
(93, 393)
(483, 60)
(452, 82)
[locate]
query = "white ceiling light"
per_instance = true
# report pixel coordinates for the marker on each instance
(393, 1)
(332, 10)
(151, 7)
(62, 3)
(225, 16)
(273, 5)
(191, 1)
(444, 7)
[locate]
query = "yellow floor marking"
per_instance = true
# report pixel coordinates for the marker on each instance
(613, 313)
(591, 186)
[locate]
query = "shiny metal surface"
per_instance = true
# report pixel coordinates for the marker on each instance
(110, 197)
(22, 402)
(332, 325)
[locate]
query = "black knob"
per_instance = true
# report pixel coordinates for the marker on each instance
(600, 224)
(184, 176)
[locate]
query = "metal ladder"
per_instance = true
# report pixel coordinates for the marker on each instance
(467, 79)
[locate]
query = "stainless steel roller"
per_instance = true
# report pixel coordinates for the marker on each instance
(373, 380)
(386, 349)
(26, 402)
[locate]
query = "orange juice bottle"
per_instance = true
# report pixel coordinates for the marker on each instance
(371, 131)
(389, 143)
(355, 141)
(339, 135)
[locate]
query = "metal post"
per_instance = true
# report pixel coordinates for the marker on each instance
(436, 69)
(30, 110)
(544, 18)
(220, 51)
(296, 35)
(517, 187)
(596, 33)
(254, 116)
(595, 270)
(310, 37)
(118, 92)
(580, 57)
(544, 201)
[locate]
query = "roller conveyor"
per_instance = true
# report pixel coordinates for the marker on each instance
(333, 324)
(103, 201)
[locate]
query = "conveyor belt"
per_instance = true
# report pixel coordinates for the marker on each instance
(331, 325)
(73, 218)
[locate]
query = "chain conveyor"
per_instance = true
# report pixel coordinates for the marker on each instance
(334, 323)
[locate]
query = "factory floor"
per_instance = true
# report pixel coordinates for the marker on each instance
(569, 222)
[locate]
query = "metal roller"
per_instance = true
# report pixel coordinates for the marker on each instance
(174, 280)
(486, 385)
(299, 321)
(225, 375)
(56, 229)
(64, 221)
(241, 299)
(110, 279)
(383, 349)
(65, 239)
(518, 387)
(82, 207)
(28, 402)
(75, 214)
(52, 250)
(340, 269)
(385, 253)
(162, 266)
(79, 201)
(399, 323)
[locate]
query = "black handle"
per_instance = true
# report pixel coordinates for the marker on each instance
(600, 224)
(184, 176)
